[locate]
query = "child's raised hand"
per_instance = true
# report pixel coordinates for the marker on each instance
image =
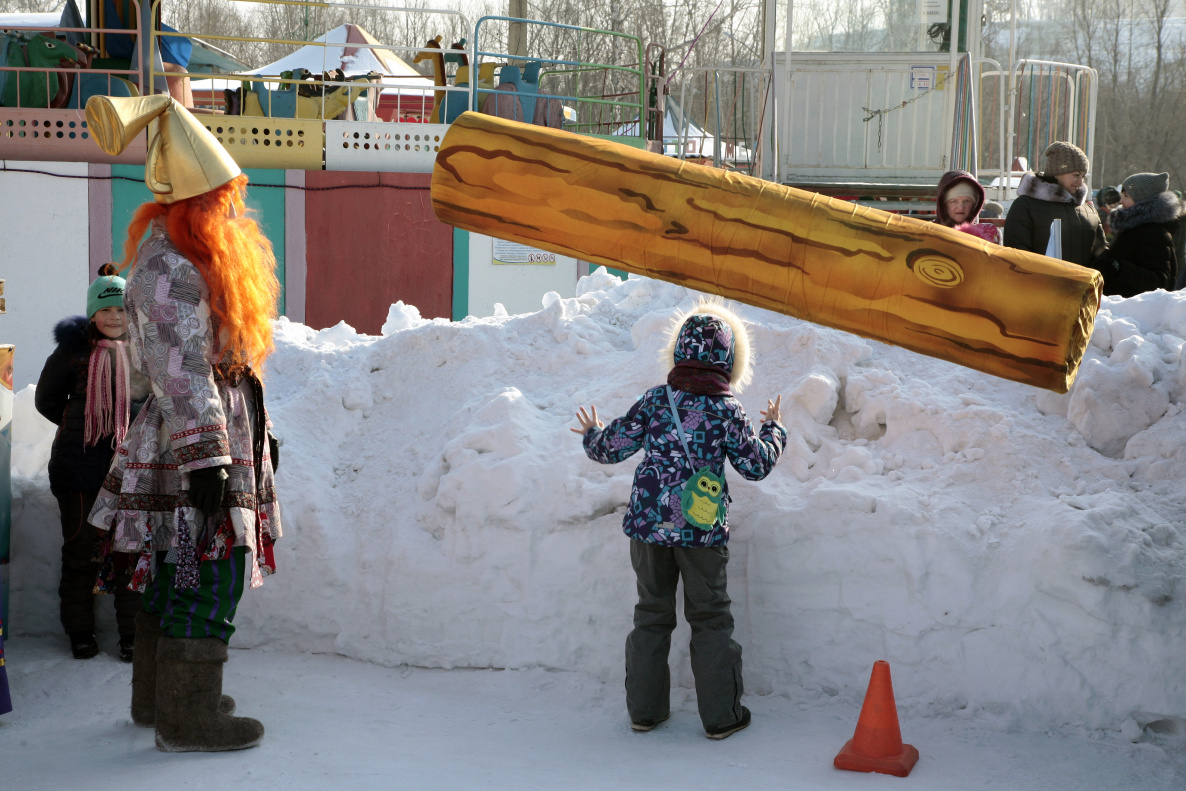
(771, 412)
(587, 421)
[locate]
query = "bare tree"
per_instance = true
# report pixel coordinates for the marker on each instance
(30, 6)
(1141, 60)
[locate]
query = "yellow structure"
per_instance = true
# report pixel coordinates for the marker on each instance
(927, 288)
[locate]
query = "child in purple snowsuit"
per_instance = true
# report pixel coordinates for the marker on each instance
(678, 512)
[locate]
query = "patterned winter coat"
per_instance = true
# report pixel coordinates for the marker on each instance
(193, 419)
(716, 428)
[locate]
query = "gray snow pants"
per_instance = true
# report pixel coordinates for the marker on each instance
(716, 657)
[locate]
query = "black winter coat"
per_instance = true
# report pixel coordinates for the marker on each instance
(1179, 233)
(1039, 202)
(61, 399)
(1141, 257)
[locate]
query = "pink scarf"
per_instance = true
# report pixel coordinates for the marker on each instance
(102, 415)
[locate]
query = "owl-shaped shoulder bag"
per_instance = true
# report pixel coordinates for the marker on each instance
(703, 494)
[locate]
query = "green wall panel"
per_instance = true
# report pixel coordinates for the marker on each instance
(460, 274)
(265, 196)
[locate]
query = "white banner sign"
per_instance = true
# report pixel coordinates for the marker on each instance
(514, 253)
(931, 11)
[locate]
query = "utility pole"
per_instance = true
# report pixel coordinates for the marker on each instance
(517, 31)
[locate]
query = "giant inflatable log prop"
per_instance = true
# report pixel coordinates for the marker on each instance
(918, 285)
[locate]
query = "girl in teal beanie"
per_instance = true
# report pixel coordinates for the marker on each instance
(89, 389)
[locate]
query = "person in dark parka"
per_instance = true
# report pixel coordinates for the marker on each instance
(91, 396)
(1058, 192)
(1142, 257)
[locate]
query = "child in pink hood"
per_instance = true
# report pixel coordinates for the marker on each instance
(958, 206)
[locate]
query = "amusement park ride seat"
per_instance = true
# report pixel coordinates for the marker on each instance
(456, 101)
(504, 101)
(297, 100)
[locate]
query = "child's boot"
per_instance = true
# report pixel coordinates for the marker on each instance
(726, 731)
(188, 694)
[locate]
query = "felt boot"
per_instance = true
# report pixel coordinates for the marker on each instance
(188, 692)
(148, 632)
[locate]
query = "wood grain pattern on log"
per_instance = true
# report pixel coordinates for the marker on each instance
(931, 289)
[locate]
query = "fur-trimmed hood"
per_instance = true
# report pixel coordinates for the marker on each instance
(1162, 209)
(73, 334)
(949, 180)
(1040, 188)
(729, 350)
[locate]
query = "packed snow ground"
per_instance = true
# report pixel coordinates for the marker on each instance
(341, 724)
(1017, 556)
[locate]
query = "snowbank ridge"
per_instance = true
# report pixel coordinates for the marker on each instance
(1016, 555)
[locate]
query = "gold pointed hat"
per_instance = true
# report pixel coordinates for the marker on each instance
(184, 159)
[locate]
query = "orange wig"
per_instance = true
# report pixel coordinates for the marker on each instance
(233, 256)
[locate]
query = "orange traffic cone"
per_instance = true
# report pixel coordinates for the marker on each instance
(877, 744)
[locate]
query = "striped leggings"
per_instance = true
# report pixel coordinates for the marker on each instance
(205, 611)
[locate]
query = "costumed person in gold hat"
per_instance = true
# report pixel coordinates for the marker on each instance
(191, 488)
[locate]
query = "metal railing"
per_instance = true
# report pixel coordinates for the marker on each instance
(413, 87)
(721, 116)
(605, 98)
(131, 74)
(1028, 107)
(593, 79)
(989, 108)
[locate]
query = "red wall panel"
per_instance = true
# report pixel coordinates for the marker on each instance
(372, 239)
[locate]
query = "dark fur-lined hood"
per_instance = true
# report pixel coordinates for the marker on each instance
(1161, 209)
(1049, 190)
(73, 334)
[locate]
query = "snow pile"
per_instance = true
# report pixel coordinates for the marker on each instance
(1016, 555)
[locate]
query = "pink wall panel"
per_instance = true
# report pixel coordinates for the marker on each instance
(372, 239)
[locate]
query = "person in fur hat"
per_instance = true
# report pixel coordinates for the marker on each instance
(678, 513)
(1059, 192)
(958, 202)
(192, 489)
(1142, 256)
(90, 390)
